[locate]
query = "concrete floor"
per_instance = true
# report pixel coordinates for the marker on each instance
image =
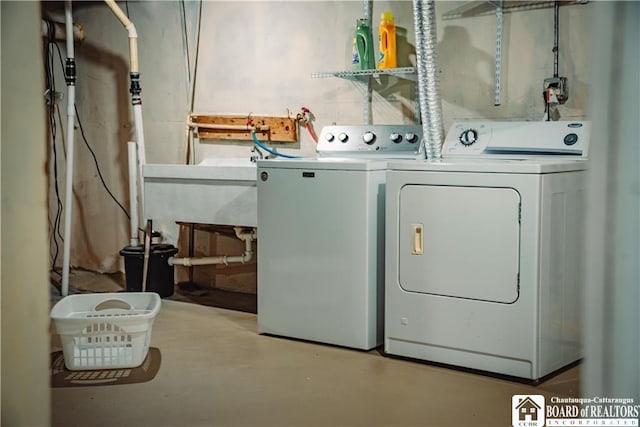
(216, 370)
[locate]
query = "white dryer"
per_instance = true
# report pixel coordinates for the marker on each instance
(483, 247)
(321, 236)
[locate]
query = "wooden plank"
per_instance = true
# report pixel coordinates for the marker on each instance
(279, 129)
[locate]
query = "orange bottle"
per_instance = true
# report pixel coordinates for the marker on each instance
(387, 35)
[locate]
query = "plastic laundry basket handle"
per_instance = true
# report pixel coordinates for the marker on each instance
(113, 304)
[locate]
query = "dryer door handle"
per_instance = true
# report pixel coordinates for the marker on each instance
(417, 239)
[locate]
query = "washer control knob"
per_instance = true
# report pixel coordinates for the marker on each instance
(343, 137)
(329, 137)
(411, 137)
(570, 139)
(368, 137)
(395, 137)
(468, 137)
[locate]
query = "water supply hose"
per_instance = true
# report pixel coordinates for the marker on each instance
(269, 150)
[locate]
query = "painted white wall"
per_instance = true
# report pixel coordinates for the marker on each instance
(258, 57)
(25, 283)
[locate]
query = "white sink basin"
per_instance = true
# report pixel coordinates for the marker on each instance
(215, 191)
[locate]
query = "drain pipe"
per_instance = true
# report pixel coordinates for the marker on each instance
(59, 31)
(428, 91)
(247, 237)
(135, 89)
(133, 194)
(70, 77)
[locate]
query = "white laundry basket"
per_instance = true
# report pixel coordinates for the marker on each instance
(105, 330)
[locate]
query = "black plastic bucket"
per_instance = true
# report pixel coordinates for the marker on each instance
(160, 273)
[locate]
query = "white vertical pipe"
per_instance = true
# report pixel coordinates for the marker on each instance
(368, 94)
(68, 199)
(68, 20)
(142, 159)
(133, 192)
(136, 99)
(131, 29)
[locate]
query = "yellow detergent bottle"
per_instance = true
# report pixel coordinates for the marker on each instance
(387, 35)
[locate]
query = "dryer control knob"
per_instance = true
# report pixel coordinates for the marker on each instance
(368, 137)
(395, 137)
(468, 137)
(411, 137)
(329, 137)
(343, 137)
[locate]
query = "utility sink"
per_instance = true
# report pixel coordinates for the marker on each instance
(215, 191)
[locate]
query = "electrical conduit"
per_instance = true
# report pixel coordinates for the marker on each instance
(247, 237)
(428, 91)
(70, 77)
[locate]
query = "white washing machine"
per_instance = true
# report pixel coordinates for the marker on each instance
(321, 236)
(483, 247)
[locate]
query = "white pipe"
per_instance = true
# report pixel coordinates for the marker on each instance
(226, 260)
(248, 128)
(59, 31)
(131, 29)
(142, 158)
(68, 19)
(136, 99)
(68, 199)
(133, 193)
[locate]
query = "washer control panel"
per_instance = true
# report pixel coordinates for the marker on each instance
(390, 141)
(569, 138)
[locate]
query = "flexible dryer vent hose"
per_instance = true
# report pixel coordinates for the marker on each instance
(428, 88)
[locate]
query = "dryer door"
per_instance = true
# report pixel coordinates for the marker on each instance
(460, 241)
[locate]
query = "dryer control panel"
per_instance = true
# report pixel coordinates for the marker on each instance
(517, 139)
(379, 141)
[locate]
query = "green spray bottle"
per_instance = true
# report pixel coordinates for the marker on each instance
(363, 57)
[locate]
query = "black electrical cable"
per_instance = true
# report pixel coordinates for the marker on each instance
(58, 110)
(95, 160)
(52, 108)
(93, 154)
(50, 81)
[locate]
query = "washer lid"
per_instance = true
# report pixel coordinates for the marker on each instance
(526, 166)
(332, 163)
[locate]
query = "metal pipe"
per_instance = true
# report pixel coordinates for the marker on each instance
(192, 237)
(556, 30)
(70, 76)
(430, 103)
(147, 252)
(368, 94)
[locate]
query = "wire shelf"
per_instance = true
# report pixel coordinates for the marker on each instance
(408, 73)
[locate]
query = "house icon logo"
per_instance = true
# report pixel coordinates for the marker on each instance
(527, 410)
